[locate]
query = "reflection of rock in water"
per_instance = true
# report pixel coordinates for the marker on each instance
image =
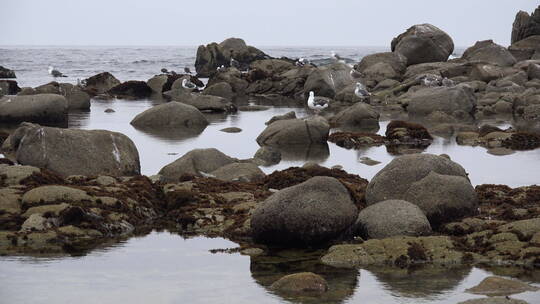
(523, 274)
(357, 129)
(265, 270)
(312, 152)
(421, 281)
(172, 133)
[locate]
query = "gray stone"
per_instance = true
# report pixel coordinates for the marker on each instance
(359, 115)
(171, 114)
(423, 43)
(207, 103)
(195, 162)
(36, 222)
(33, 108)
(288, 115)
(221, 89)
(533, 72)
(497, 286)
(295, 131)
(100, 83)
(487, 51)
(13, 175)
(328, 80)
(267, 156)
(448, 100)
(54, 194)
(494, 300)
(244, 172)
(157, 82)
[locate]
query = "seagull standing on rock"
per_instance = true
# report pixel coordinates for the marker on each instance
(302, 62)
(316, 104)
(361, 91)
(55, 73)
(186, 84)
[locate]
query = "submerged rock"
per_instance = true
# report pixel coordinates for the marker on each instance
(497, 286)
(423, 43)
(300, 283)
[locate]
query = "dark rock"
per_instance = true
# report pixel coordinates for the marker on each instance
(533, 72)
(288, 115)
(233, 77)
(300, 284)
(132, 89)
(231, 130)
(253, 108)
(407, 132)
(526, 25)
(392, 218)
(44, 108)
(423, 43)
(6, 73)
(313, 212)
(356, 140)
(9, 87)
(381, 66)
(487, 51)
(267, 156)
(100, 83)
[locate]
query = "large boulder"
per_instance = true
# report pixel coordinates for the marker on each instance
(43, 108)
(76, 97)
(9, 87)
(423, 43)
(221, 89)
(443, 198)
(133, 89)
(295, 131)
(392, 218)
(171, 114)
(75, 152)
(381, 66)
(313, 212)
(359, 115)
(206, 103)
(195, 162)
(393, 181)
(233, 77)
(214, 55)
(526, 25)
(526, 49)
(450, 100)
(100, 83)
(328, 80)
(157, 83)
(487, 51)
(6, 73)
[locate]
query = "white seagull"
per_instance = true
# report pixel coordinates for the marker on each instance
(302, 62)
(316, 104)
(55, 73)
(430, 80)
(361, 91)
(186, 84)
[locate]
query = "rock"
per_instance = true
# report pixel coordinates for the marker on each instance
(10, 201)
(52, 210)
(386, 84)
(214, 55)
(526, 25)
(73, 151)
(295, 131)
(9, 87)
(288, 115)
(253, 108)
(36, 222)
(526, 49)
(487, 51)
(46, 108)
(132, 89)
(368, 161)
(497, 286)
(360, 115)
(157, 83)
(443, 198)
(54, 194)
(6, 73)
(100, 83)
(194, 162)
(109, 110)
(13, 175)
(404, 132)
(486, 72)
(328, 80)
(244, 172)
(233, 77)
(172, 114)
(76, 97)
(533, 72)
(382, 66)
(423, 43)
(207, 103)
(450, 100)
(221, 89)
(525, 229)
(468, 138)
(392, 218)
(393, 181)
(313, 212)
(494, 300)
(231, 130)
(300, 283)
(267, 156)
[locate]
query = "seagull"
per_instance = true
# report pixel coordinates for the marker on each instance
(220, 68)
(234, 63)
(55, 73)
(336, 56)
(164, 71)
(187, 70)
(448, 82)
(302, 62)
(430, 80)
(316, 104)
(186, 84)
(361, 91)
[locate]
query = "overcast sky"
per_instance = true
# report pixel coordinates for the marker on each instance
(260, 23)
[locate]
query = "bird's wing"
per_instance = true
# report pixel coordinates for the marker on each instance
(320, 102)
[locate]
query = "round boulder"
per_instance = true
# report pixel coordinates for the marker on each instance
(391, 218)
(489, 52)
(359, 115)
(195, 162)
(100, 83)
(171, 114)
(313, 212)
(295, 131)
(423, 43)
(300, 283)
(33, 108)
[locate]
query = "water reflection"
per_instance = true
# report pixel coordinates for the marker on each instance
(171, 133)
(312, 152)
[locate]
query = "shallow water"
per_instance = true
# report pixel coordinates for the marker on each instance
(166, 268)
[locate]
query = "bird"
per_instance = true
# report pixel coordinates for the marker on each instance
(220, 68)
(55, 73)
(234, 63)
(336, 56)
(164, 71)
(430, 80)
(361, 91)
(186, 84)
(316, 104)
(448, 82)
(302, 62)
(187, 70)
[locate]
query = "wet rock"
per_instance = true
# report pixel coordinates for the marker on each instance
(72, 151)
(383, 66)
(497, 286)
(392, 218)
(443, 198)
(233, 77)
(13, 175)
(6, 73)
(109, 110)
(100, 83)
(207, 103)
(328, 80)
(525, 25)
(500, 151)
(300, 283)
(36, 222)
(9, 87)
(313, 212)
(368, 161)
(267, 156)
(489, 52)
(449, 100)
(393, 181)
(244, 172)
(10, 201)
(404, 132)
(172, 114)
(231, 130)
(423, 43)
(494, 300)
(76, 97)
(46, 108)
(221, 89)
(132, 89)
(521, 141)
(356, 140)
(214, 55)
(359, 115)
(295, 131)
(157, 83)
(195, 162)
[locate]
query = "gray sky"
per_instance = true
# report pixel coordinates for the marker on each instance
(269, 23)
